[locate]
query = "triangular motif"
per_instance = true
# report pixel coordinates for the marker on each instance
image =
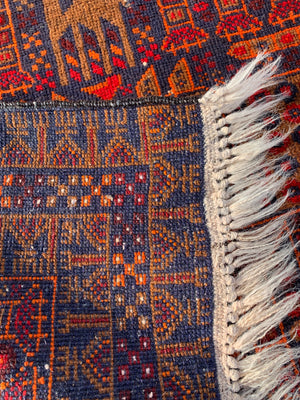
(181, 80)
(165, 179)
(96, 289)
(26, 229)
(94, 228)
(17, 154)
(168, 314)
(67, 154)
(148, 85)
(119, 153)
(166, 246)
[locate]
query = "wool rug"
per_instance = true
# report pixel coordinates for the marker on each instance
(84, 51)
(134, 263)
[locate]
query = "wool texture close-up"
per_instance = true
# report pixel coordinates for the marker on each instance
(149, 200)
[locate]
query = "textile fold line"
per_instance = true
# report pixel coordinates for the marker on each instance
(253, 263)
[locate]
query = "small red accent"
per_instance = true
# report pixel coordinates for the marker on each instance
(240, 51)
(287, 38)
(96, 69)
(118, 62)
(75, 75)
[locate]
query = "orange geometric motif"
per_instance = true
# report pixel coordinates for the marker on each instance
(181, 30)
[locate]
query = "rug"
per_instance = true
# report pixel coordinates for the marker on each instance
(83, 51)
(132, 265)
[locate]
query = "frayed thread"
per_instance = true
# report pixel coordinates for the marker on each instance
(253, 265)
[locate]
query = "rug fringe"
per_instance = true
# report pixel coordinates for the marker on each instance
(251, 267)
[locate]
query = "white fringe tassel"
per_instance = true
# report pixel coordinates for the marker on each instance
(250, 266)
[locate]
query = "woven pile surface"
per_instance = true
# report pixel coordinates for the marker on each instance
(101, 225)
(105, 267)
